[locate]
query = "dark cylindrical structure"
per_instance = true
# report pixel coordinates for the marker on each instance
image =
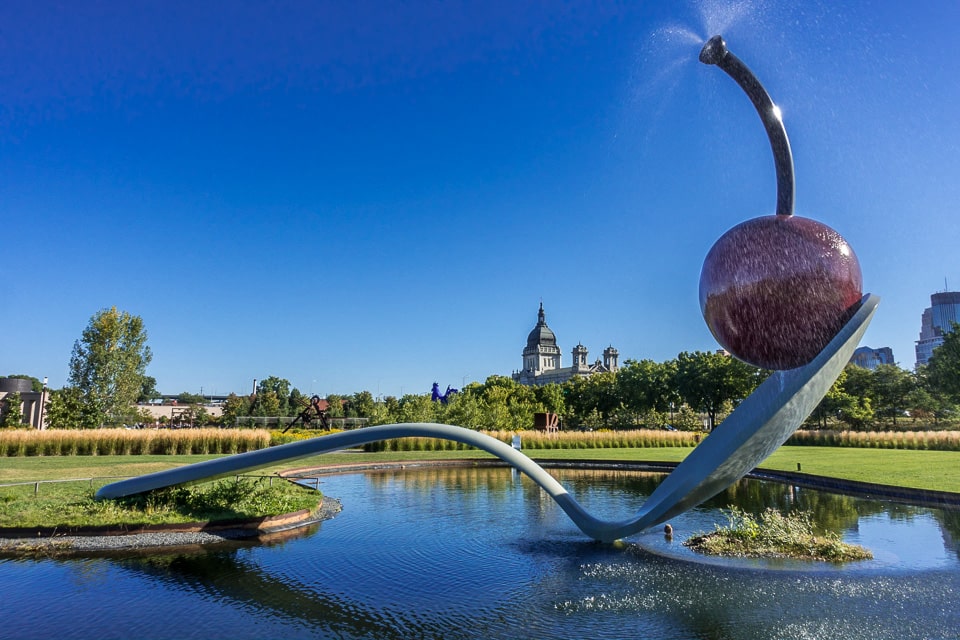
(15, 385)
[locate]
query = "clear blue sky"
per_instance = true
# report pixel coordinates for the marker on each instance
(377, 195)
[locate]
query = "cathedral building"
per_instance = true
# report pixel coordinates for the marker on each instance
(543, 361)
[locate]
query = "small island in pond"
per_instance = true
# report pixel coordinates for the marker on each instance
(775, 535)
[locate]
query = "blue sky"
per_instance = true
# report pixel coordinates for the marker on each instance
(378, 195)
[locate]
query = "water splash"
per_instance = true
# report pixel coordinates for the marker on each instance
(719, 16)
(667, 55)
(677, 34)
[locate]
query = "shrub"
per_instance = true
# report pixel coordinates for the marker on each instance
(774, 534)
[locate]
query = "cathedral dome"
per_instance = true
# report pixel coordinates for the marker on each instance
(541, 335)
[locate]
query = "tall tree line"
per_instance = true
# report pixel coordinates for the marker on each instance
(695, 390)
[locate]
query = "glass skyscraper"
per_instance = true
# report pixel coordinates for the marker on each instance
(937, 320)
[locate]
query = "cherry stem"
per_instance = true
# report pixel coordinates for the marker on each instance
(716, 52)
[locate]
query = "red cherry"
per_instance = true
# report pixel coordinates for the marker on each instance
(775, 290)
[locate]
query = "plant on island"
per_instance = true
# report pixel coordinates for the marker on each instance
(775, 535)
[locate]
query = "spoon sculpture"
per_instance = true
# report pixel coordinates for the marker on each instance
(759, 425)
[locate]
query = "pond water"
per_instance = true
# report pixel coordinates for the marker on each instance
(483, 553)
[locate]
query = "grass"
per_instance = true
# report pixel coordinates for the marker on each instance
(937, 470)
(775, 535)
(109, 442)
(936, 440)
(933, 470)
(71, 504)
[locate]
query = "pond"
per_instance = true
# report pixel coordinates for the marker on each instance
(471, 552)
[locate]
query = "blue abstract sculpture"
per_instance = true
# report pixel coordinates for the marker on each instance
(436, 396)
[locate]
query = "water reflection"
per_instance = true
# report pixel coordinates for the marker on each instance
(481, 552)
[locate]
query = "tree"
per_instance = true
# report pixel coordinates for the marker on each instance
(280, 389)
(593, 398)
(361, 405)
(464, 409)
(929, 400)
(859, 389)
(148, 390)
(859, 382)
(266, 404)
(855, 411)
(185, 397)
(335, 406)
(108, 364)
(416, 408)
(296, 402)
(12, 410)
(706, 381)
(943, 369)
(552, 398)
(67, 410)
(893, 387)
(234, 408)
(646, 385)
(834, 401)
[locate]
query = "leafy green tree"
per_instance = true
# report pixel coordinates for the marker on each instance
(646, 386)
(12, 410)
(148, 390)
(67, 410)
(593, 398)
(234, 408)
(859, 387)
(859, 382)
(930, 401)
(266, 405)
(834, 402)
(551, 397)
(465, 410)
(416, 408)
(859, 413)
(361, 404)
(280, 388)
(943, 369)
(892, 388)
(386, 411)
(706, 381)
(200, 417)
(296, 402)
(686, 419)
(186, 397)
(108, 364)
(335, 410)
(495, 407)
(503, 404)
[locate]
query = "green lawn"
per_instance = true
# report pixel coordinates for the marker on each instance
(939, 470)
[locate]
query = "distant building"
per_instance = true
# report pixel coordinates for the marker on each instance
(937, 320)
(30, 401)
(869, 358)
(542, 360)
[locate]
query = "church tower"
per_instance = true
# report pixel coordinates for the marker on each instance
(580, 359)
(541, 353)
(610, 356)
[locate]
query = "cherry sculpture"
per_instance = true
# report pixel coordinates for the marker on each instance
(776, 289)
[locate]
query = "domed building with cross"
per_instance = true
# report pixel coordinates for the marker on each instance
(543, 361)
